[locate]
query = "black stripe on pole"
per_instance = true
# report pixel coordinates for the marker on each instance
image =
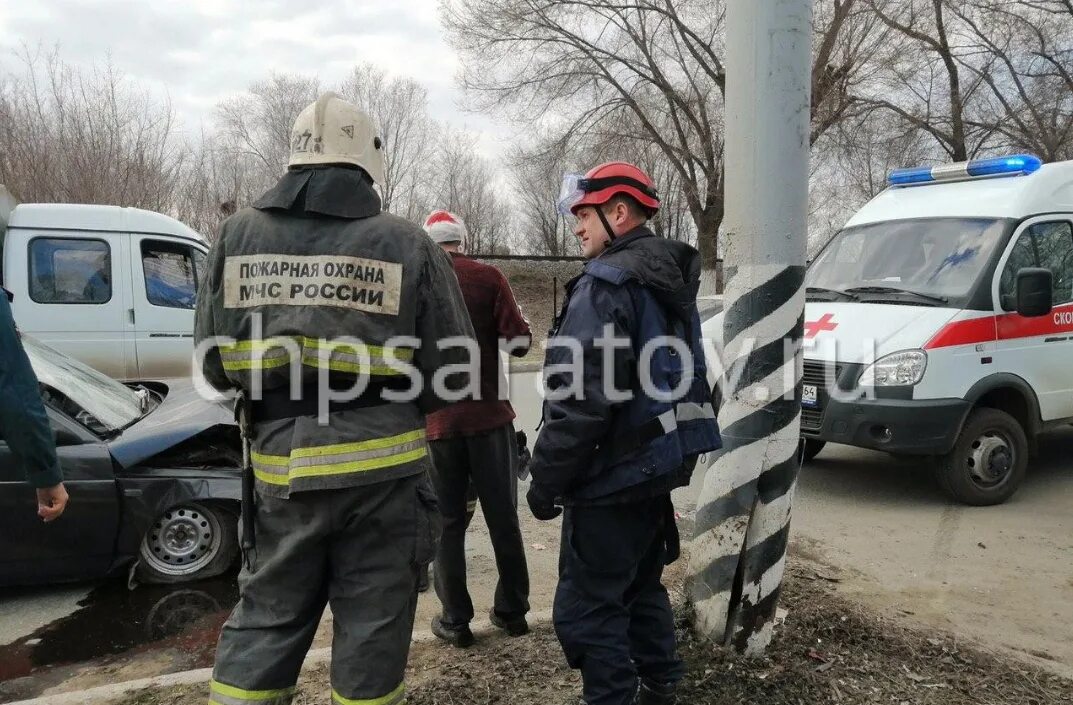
(773, 483)
(761, 557)
(761, 302)
(760, 363)
(737, 502)
(778, 480)
(718, 576)
(750, 619)
(762, 423)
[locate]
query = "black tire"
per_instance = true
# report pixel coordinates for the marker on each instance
(810, 448)
(989, 460)
(191, 541)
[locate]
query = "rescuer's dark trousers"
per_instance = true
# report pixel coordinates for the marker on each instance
(484, 462)
(357, 549)
(612, 614)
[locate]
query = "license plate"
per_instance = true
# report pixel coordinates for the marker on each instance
(808, 395)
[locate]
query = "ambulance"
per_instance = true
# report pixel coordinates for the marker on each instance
(939, 322)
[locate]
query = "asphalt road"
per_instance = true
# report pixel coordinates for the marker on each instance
(1000, 575)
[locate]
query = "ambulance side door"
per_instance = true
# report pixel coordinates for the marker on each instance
(1039, 349)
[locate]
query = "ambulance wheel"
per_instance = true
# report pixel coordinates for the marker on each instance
(188, 542)
(810, 448)
(988, 461)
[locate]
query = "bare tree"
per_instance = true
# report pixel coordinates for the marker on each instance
(212, 186)
(536, 173)
(592, 61)
(85, 136)
(399, 107)
(465, 183)
(852, 166)
(577, 66)
(936, 83)
(255, 127)
(1029, 77)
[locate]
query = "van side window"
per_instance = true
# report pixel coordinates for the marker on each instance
(170, 278)
(67, 271)
(201, 265)
(1047, 245)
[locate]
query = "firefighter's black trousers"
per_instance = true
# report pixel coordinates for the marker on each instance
(612, 614)
(357, 549)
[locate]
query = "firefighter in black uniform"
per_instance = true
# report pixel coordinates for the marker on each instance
(326, 313)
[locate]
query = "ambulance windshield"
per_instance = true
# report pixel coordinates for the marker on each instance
(939, 258)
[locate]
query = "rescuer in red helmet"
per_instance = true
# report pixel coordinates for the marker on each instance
(612, 453)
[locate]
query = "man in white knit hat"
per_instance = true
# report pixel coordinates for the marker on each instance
(474, 451)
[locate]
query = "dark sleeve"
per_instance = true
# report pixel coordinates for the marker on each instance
(441, 314)
(209, 301)
(24, 423)
(572, 427)
(510, 322)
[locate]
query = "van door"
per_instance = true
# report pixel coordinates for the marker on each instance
(1039, 349)
(72, 291)
(165, 290)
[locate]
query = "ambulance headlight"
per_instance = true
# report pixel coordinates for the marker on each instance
(900, 369)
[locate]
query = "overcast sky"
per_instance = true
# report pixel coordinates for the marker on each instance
(200, 51)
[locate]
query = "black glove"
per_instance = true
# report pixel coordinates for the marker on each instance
(542, 502)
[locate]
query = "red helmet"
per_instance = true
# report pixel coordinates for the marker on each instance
(607, 180)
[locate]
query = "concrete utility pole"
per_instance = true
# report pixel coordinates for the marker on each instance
(743, 520)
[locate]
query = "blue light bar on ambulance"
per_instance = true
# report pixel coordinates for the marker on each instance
(1014, 165)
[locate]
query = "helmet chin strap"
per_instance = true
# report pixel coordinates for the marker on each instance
(607, 227)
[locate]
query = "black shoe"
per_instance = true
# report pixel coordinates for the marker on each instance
(653, 693)
(514, 627)
(460, 636)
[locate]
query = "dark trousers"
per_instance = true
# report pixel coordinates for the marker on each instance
(483, 463)
(357, 549)
(612, 614)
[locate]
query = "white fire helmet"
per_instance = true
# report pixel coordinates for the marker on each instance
(333, 131)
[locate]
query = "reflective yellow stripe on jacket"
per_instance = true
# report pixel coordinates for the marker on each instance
(341, 357)
(341, 458)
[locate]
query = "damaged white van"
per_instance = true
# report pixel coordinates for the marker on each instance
(112, 287)
(939, 322)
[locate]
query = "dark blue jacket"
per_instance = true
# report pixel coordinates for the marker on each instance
(592, 446)
(24, 425)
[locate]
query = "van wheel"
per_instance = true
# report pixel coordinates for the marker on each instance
(989, 460)
(188, 542)
(810, 448)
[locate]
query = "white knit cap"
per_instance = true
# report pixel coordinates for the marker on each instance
(444, 227)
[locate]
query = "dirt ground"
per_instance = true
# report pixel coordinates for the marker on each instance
(828, 650)
(538, 287)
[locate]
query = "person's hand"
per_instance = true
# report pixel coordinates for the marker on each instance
(51, 501)
(542, 503)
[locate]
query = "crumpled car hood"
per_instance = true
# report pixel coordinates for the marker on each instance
(182, 415)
